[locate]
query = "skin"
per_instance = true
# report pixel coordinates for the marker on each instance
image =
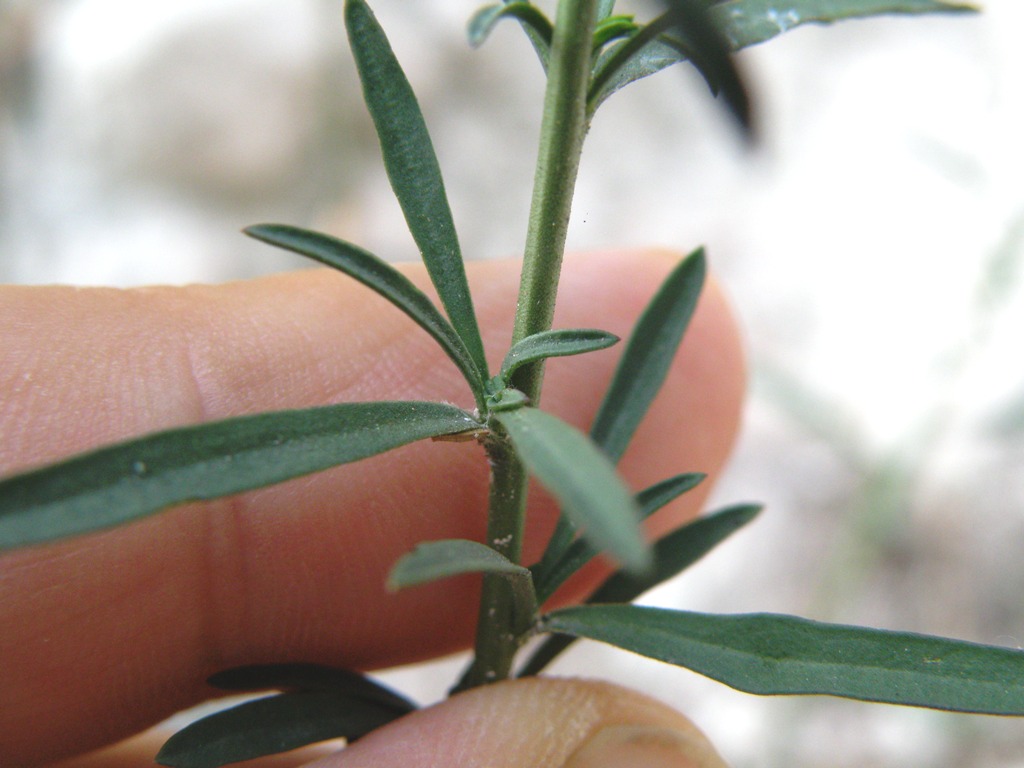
(107, 634)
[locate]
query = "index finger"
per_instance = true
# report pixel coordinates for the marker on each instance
(109, 633)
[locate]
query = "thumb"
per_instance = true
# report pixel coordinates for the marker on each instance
(536, 723)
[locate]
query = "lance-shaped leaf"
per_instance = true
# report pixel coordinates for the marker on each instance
(550, 576)
(413, 170)
(640, 373)
(648, 356)
(676, 552)
(582, 479)
(557, 343)
(536, 25)
(272, 725)
(744, 23)
(770, 654)
(381, 277)
(122, 482)
(748, 22)
(432, 560)
(701, 41)
(672, 555)
(310, 677)
(639, 56)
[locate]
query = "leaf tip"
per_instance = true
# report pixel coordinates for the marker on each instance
(167, 756)
(261, 232)
(395, 580)
(638, 561)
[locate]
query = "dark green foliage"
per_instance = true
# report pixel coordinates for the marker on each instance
(672, 555)
(770, 654)
(638, 377)
(309, 677)
(381, 277)
(748, 22)
(696, 37)
(322, 703)
(535, 24)
(272, 725)
(413, 170)
(582, 479)
(123, 482)
(560, 343)
(676, 552)
(736, 24)
(432, 560)
(550, 576)
(648, 356)
(591, 53)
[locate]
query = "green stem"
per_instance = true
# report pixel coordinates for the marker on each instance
(563, 128)
(496, 636)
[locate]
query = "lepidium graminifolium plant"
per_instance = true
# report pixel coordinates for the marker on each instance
(587, 53)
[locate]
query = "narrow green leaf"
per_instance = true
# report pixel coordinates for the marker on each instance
(434, 560)
(605, 8)
(710, 52)
(381, 277)
(310, 677)
(272, 725)
(625, 61)
(676, 552)
(547, 651)
(702, 42)
(119, 483)
(770, 654)
(748, 22)
(655, 497)
(535, 23)
(583, 480)
(483, 22)
(577, 553)
(743, 23)
(673, 554)
(413, 170)
(648, 356)
(638, 377)
(558, 343)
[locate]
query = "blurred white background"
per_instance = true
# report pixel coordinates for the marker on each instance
(872, 244)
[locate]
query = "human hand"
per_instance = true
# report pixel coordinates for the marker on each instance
(107, 634)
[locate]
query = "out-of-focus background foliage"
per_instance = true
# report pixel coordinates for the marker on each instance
(872, 242)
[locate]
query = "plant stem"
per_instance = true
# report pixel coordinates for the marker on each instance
(563, 128)
(496, 637)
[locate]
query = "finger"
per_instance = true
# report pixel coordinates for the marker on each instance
(536, 723)
(119, 629)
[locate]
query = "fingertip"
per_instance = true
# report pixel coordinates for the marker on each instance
(535, 723)
(297, 571)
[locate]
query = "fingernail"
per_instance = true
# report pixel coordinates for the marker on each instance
(626, 746)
